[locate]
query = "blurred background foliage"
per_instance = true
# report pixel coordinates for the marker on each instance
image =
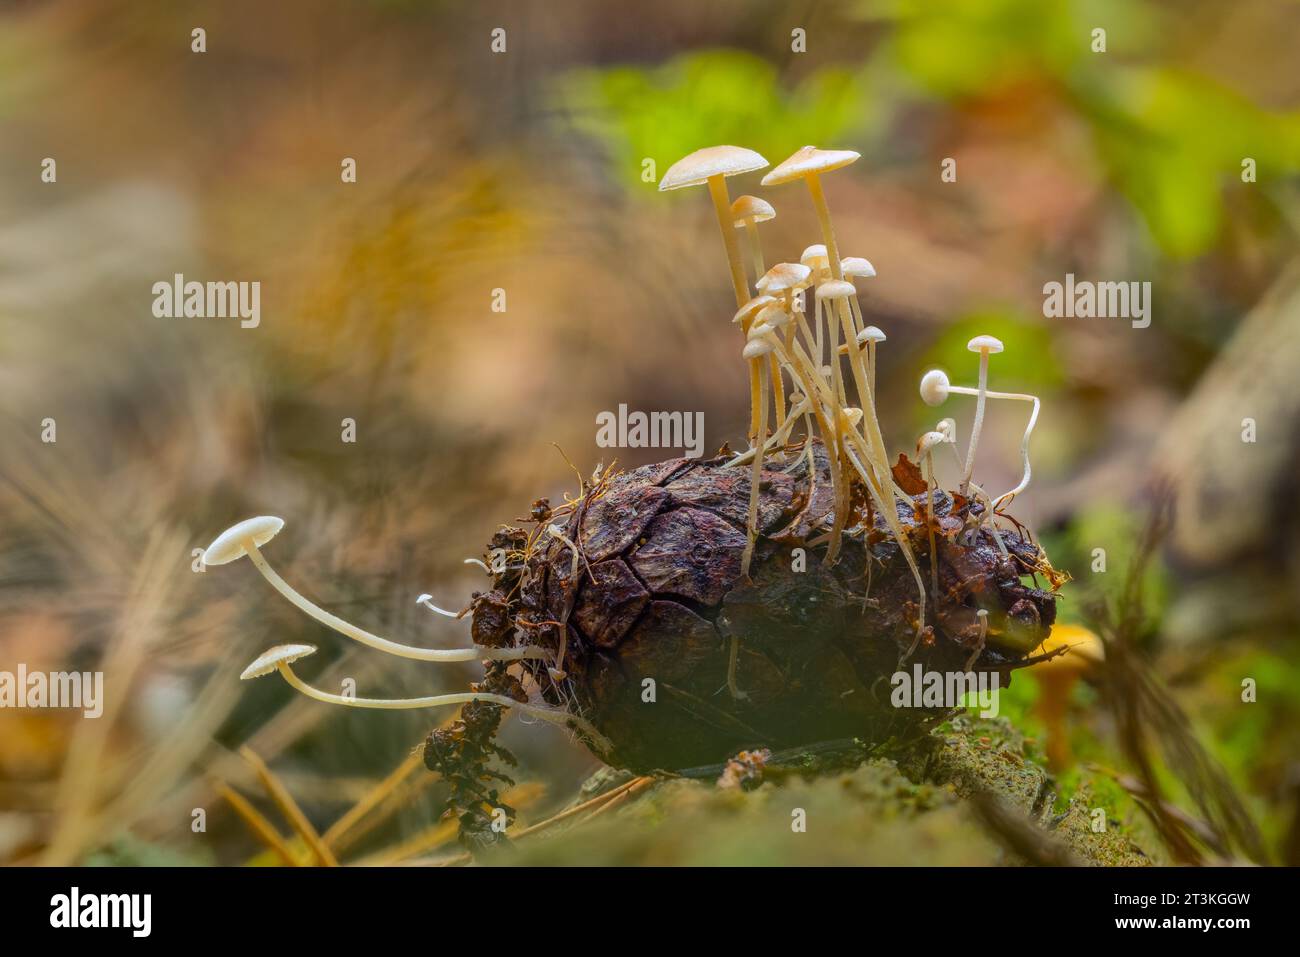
(523, 171)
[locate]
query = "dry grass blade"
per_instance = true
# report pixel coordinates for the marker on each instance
(289, 807)
(1150, 721)
(376, 796)
(263, 829)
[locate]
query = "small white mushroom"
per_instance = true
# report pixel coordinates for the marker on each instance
(748, 212)
(985, 346)
(925, 449)
(711, 166)
(808, 164)
(281, 657)
(246, 537)
(757, 348)
(871, 337)
(935, 389)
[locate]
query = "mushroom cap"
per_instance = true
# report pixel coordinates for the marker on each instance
(783, 276)
(815, 256)
(703, 165)
(272, 658)
(751, 207)
(928, 441)
(835, 289)
(229, 545)
(1085, 650)
(756, 348)
(853, 415)
(948, 429)
(755, 305)
(857, 266)
(934, 387)
(806, 160)
(871, 334)
(774, 316)
(984, 344)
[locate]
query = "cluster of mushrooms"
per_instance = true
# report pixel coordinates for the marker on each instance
(781, 343)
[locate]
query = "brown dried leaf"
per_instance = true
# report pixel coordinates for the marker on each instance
(908, 475)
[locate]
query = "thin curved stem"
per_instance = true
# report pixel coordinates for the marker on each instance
(1024, 442)
(349, 630)
(553, 715)
(755, 249)
(751, 523)
(979, 422)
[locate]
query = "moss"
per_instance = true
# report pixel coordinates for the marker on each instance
(912, 809)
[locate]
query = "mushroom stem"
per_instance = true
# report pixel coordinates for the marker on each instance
(755, 248)
(722, 206)
(1024, 442)
(929, 521)
(871, 369)
(814, 386)
(982, 640)
(349, 630)
(979, 422)
(553, 715)
(891, 518)
(755, 475)
(824, 218)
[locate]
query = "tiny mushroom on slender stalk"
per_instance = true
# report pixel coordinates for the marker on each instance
(925, 449)
(834, 294)
(756, 348)
(985, 346)
(745, 316)
(711, 166)
(748, 212)
(246, 537)
(870, 337)
(981, 640)
(814, 257)
(853, 268)
(281, 657)
(808, 164)
(935, 389)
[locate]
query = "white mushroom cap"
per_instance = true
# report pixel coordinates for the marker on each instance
(751, 207)
(783, 276)
(229, 545)
(934, 387)
(774, 316)
(815, 256)
(871, 334)
(756, 348)
(272, 658)
(809, 159)
(835, 289)
(854, 415)
(985, 344)
(857, 266)
(754, 306)
(948, 429)
(928, 441)
(702, 165)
